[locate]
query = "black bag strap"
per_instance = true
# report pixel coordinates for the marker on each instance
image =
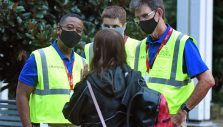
(129, 109)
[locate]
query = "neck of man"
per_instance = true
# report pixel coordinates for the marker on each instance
(160, 29)
(65, 50)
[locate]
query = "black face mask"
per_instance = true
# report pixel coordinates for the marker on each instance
(70, 38)
(148, 26)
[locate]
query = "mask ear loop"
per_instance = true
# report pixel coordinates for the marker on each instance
(155, 20)
(154, 17)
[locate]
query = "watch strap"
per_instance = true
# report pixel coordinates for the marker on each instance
(185, 108)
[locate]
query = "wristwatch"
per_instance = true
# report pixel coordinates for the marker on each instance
(185, 108)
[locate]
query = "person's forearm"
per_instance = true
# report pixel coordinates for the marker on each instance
(22, 102)
(198, 94)
(205, 82)
(23, 109)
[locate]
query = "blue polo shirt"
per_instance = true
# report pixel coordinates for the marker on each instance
(29, 76)
(193, 64)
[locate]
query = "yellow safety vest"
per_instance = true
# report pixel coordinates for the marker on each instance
(166, 75)
(53, 89)
(130, 47)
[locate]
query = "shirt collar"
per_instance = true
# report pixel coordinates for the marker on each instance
(160, 40)
(63, 57)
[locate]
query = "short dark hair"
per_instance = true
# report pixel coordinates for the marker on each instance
(115, 12)
(109, 50)
(63, 18)
(153, 4)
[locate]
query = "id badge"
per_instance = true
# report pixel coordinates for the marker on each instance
(146, 78)
(44, 125)
(71, 93)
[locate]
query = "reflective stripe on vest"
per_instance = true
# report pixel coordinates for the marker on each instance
(172, 81)
(46, 90)
(136, 62)
(91, 53)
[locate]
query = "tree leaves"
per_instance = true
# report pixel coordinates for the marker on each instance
(217, 51)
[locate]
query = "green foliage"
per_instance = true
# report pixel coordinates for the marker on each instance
(29, 25)
(217, 97)
(217, 52)
(170, 12)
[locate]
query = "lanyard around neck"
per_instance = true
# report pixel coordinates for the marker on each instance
(125, 38)
(161, 46)
(69, 76)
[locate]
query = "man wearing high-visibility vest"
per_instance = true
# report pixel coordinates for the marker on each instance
(169, 60)
(48, 77)
(114, 17)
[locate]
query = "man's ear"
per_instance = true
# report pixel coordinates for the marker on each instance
(58, 29)
(160, 12)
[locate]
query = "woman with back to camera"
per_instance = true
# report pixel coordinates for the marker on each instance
(114, 84)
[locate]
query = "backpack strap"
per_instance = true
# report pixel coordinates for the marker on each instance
(129, 109)
(96, 104)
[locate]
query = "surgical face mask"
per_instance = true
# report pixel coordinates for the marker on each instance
(70, 38)
(148, 26)
(120, 30)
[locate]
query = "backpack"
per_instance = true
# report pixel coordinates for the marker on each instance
(145, 107)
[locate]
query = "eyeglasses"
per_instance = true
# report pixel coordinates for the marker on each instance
(71, 28)
(144, 17)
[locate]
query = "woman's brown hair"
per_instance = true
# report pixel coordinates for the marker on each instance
(109, 50)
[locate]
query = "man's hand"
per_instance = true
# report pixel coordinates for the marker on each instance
(179, 118)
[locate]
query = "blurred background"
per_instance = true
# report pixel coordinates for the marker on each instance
(26, 25)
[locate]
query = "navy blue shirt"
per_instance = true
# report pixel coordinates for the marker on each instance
(192, 62)
(29, 76)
